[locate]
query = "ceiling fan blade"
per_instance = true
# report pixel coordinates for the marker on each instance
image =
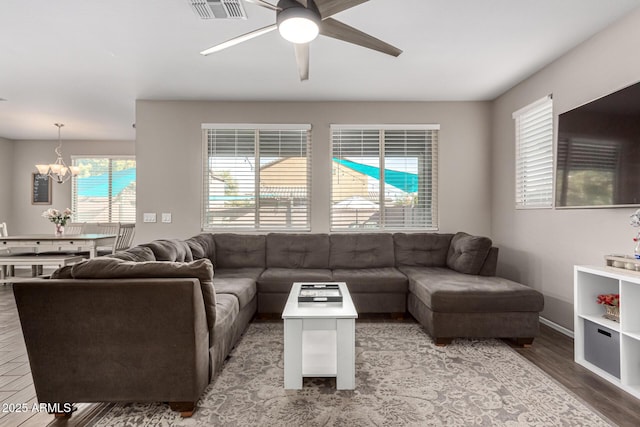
(303, 2)
(328, 8)
(337, 30)
(237, 40)
(264, 4)
(302, 59)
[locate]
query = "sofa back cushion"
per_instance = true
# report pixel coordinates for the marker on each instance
(298, 250)
(203, 246)
(421, 249)
(239, 250)
(137, 254)
(112, 268)
(467, 253)
(173, 250)
(63, 272)
(361, 250)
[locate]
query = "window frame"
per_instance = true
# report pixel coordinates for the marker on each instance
(434, 194)
(256, 127)
(520, 191)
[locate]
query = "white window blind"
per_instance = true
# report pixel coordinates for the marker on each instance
(384, 177)
(257, 177)
(534, 155)
(104, 190)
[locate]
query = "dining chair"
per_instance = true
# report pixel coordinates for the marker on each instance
(75, 228)
(108, 228)
(6, 269)
(125, 237)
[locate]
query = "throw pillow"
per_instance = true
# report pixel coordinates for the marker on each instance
(467, 253)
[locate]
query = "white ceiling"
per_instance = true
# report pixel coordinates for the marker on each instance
(85, 62)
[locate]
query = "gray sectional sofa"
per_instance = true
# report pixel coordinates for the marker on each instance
(155, 322)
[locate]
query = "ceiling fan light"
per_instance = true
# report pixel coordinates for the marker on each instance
(298, 25)
(298, 30)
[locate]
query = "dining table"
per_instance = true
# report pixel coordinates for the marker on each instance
(38, 243)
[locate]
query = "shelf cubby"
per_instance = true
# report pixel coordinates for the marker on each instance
(630, 319)
(589, 282)
(630, 362)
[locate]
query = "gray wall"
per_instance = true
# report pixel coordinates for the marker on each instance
(6, 178)
(169, 152)
(25, 217)
(540, 247)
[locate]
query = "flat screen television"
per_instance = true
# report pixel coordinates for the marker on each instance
(598, 152)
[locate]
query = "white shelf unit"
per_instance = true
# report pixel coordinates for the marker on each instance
(589, 282)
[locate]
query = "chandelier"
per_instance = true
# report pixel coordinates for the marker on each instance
(58, 171)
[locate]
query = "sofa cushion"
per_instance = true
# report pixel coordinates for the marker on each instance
(298, 250)
(279, 280)
(361, 250)
(422, 249)
(467, 253)
(112, 268)
(444, 290)
(239, 250)
(239, 273)
(137, 254)
(173, 250)
(223, 332)
(243, 289)
(63, 272)
(203, 246)
(372, 280)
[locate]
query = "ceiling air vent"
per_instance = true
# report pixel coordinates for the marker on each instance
(218, 9)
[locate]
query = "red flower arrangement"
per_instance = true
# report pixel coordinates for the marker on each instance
(609, 299)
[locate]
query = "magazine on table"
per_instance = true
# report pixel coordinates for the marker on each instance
(319, 292)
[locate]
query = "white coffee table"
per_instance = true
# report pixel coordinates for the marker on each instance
(319, 340)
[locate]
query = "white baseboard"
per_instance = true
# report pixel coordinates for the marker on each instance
(557, 327)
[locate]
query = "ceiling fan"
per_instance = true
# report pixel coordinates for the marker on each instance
(300, 22)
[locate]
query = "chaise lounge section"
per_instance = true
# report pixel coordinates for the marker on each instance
(453, 290)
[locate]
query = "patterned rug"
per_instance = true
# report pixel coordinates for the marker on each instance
(402, 378)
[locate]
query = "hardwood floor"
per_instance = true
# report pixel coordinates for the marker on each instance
(552, 352)
(17, 395)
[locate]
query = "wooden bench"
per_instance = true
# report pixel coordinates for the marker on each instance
(36, 262)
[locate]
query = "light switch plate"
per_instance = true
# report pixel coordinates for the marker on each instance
(166, 217)
(149, 217)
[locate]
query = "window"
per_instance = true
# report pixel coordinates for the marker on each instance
(104, 190)
(534, 155)
(384, 177)
(256, 177)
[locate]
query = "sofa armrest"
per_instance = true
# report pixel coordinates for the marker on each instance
(130, 340)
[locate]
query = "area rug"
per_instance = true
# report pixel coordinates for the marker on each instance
(402, 379)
